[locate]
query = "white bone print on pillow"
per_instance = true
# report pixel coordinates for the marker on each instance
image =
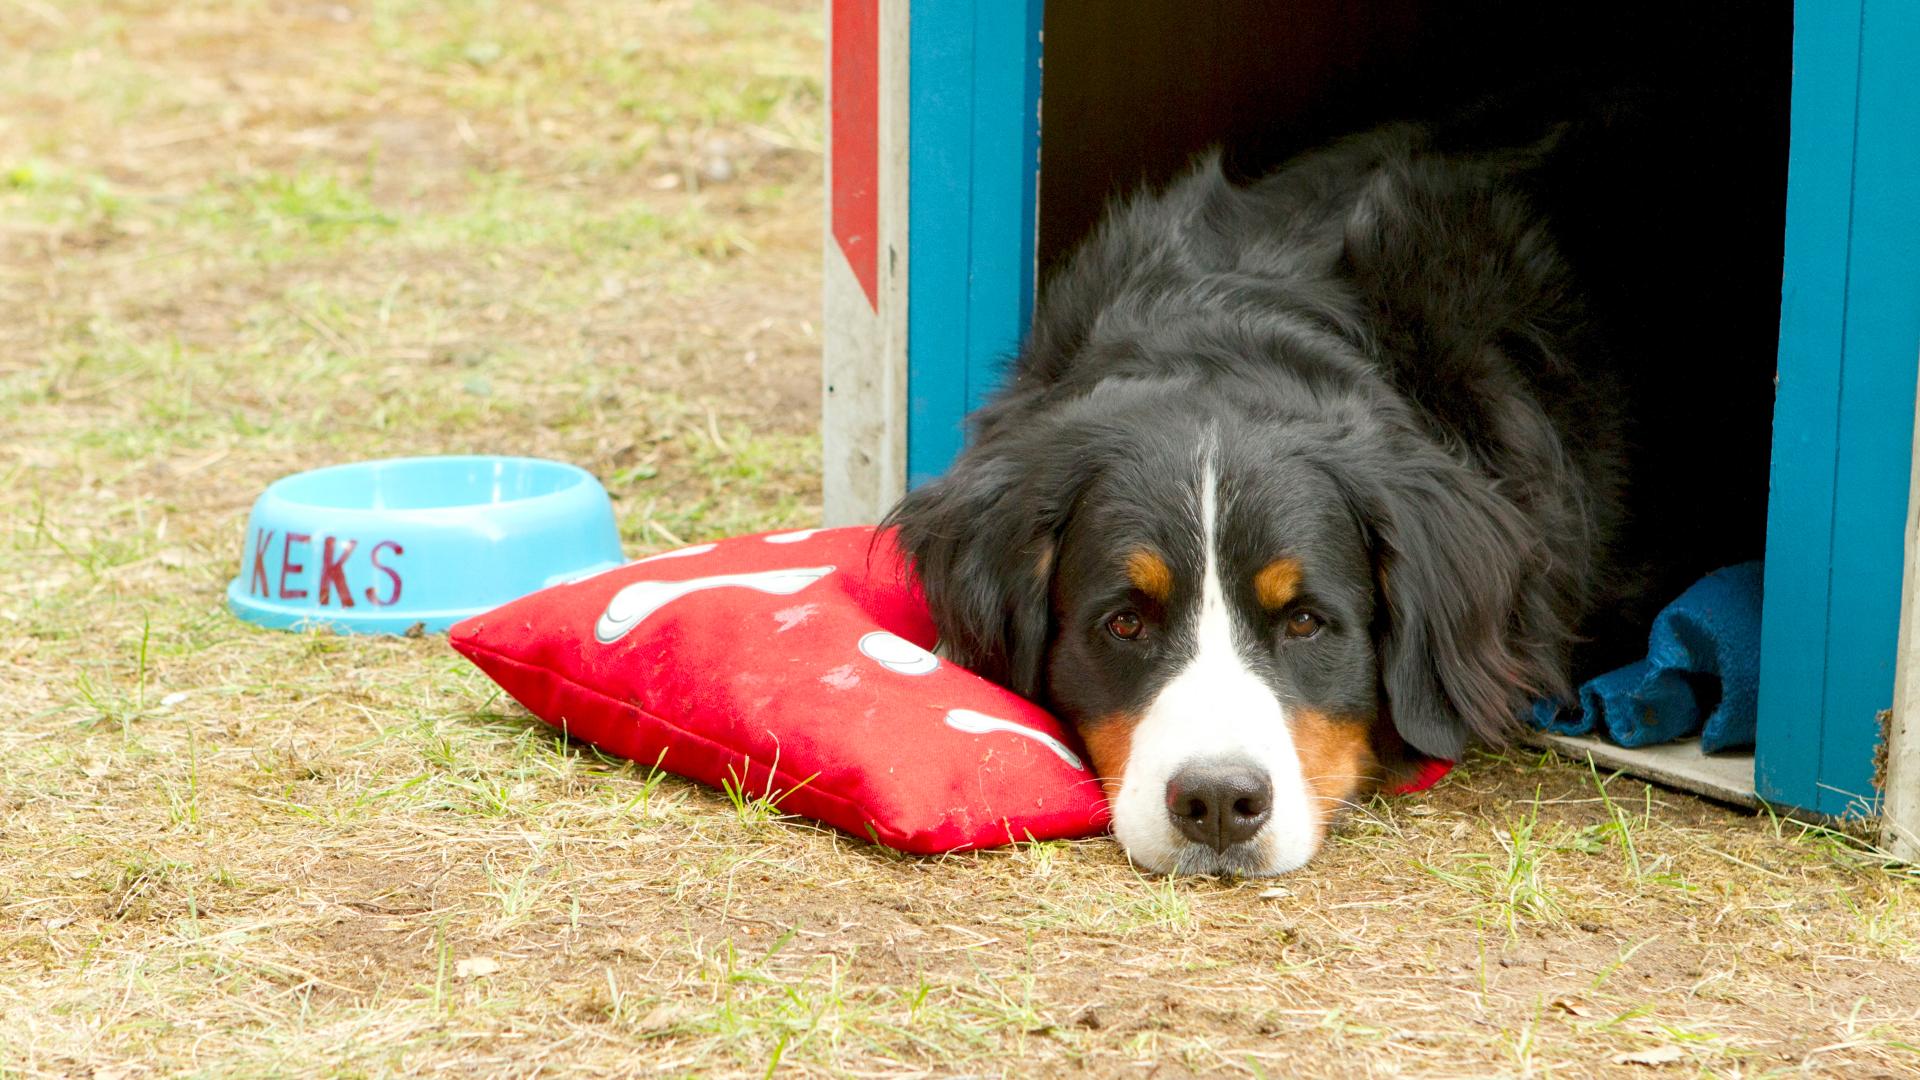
(979, 723)
(633, 604)
(897, 654)
(680, 553)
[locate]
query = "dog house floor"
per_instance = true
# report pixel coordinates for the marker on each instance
(1726, 777)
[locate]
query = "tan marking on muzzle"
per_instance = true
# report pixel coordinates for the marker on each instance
(1336, 760)
(1109, 743)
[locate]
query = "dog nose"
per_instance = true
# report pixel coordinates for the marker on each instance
(1220, 804)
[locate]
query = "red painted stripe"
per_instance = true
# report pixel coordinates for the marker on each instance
(855, 96)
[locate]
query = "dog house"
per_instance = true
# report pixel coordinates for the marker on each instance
(972, 142)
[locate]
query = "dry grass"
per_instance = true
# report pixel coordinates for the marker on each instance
(243, 236)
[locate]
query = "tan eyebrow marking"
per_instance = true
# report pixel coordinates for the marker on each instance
(1150, 574)
(1277, 583)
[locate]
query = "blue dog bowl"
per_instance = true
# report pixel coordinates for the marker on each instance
(380, 546)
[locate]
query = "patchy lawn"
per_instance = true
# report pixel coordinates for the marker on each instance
(241, 237)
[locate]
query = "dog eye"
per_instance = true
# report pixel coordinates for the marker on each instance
(1125, 625)
(1304, 624)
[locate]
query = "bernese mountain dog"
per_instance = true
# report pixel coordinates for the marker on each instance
(1296, 481)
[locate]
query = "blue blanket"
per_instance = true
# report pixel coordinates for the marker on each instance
(1701, 674)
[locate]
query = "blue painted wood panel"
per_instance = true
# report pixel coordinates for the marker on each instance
(972, 165)
(1843, 418)
(1826, 47)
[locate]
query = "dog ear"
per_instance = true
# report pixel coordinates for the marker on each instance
(982, 539)
(1465, 633)
(1473, 622)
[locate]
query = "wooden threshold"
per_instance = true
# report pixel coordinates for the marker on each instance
(1725, 777)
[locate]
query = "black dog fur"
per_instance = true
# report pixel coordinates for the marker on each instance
(1391, 314)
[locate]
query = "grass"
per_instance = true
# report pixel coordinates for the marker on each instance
(239, 238)
(1509, 884)
(751, 809)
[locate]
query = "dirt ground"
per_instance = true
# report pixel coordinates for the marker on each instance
(241, 237)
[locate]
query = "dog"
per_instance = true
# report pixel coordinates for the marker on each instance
(1295, 481)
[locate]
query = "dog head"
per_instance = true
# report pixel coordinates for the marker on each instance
(1242, 615)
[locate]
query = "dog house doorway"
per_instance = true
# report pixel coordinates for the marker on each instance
(1133, 92)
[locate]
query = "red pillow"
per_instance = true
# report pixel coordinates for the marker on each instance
(795, 664)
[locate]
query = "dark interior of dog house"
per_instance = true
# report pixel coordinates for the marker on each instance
(1670, 208)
